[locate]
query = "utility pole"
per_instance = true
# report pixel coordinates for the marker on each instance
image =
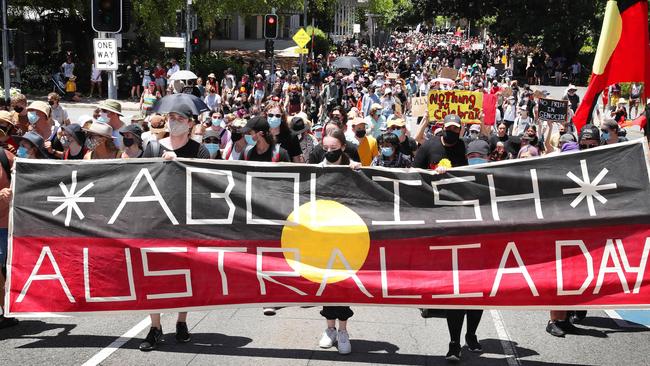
(5, 52)
(188, 35)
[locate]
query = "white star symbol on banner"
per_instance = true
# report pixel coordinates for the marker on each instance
(70, 199)
(588, 189)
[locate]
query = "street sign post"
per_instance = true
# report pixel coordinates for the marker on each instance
(301, 51)
(105, 51)
(301, 38)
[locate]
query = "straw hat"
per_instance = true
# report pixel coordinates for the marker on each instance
(100, 129)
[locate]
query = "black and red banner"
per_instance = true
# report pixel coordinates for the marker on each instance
(558, 232)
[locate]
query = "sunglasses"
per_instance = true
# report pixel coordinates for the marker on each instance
(274, 115)
(584, 146)
(207, 123)
(211, 140)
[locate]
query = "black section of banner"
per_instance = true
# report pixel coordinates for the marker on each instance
(612, 182)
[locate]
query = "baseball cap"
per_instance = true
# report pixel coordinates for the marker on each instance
(452, 120)
(589, 132)
(479, 147)
(475, 127)
(396, 122)
(257, 124)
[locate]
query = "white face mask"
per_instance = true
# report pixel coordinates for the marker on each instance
(177, 128)
(197, 138)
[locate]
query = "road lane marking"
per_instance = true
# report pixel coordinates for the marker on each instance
(119, 342)
(506, 342)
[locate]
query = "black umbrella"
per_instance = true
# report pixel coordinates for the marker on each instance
(346, 62)
(180, 103)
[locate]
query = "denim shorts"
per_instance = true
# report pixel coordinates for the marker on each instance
(4, 240)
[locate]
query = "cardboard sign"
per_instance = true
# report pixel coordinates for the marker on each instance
(393, 75)
(448, 73)
(467, 105)
(553, 110)
(419, 107)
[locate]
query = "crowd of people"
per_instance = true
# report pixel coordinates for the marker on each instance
(354, 117)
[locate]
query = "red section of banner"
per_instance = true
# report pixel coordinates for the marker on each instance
(489, 109)
(495, 270)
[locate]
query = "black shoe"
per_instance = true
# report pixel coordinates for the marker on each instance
(154, 337)
(454, 352)
(7, 322)
(553, 329)
(182, 334)
(472, 343)
(568, 327)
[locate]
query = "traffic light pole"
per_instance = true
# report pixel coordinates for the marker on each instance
(112, 75)
(5, 52)
(188, 35)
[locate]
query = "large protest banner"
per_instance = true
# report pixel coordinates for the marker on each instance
(553, 110)
(466, 104)
(568, 231)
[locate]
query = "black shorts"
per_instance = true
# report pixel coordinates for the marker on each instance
(341, 313)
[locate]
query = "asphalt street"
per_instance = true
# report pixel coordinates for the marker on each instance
(379, 336)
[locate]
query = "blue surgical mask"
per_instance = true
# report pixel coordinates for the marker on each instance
(218, 122)
(397, 133)
(212, 148)
(274, 122)
(387, 151)
(103, 118)
(22, 152)
(249, 140)
(474, 161)
(32, 117)
(604, 136)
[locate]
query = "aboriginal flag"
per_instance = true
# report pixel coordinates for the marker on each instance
(623, 53)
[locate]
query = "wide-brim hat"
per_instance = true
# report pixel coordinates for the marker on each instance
(111, 105)
(76, 132)
(5, 116)
(133, 129)
(35, 139)
(571, 87)
(100, 129)
(41, 107)
(396, 122)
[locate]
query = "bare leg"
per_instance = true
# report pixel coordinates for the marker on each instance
(343, 325)
(155, 320)
(182, 317)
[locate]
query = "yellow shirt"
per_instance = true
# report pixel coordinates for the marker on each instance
(367, 150)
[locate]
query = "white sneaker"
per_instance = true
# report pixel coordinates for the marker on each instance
(343, 340)
(328, 338)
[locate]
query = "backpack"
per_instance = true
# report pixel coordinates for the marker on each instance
(4, 161)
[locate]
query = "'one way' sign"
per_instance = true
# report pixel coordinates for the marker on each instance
(105, 51)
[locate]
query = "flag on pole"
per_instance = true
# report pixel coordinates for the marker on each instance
(623, 53)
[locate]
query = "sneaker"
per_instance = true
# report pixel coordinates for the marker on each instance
(182, 334)
(343, 342)
(328, 338)
(454, 352)
(472, 343)
(554, 329)
(154, 337)
(269, 311)
(7, 322)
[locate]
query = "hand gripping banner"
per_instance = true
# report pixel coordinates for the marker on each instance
(569, 231)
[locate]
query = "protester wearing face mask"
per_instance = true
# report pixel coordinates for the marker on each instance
(318, 154)
(19, 117)
(73, 140)
(407, 144)
(31, 146)
(375, 120)
(218, 125)
(509, 113)
(157, 129)
(261, 145)
(477, 152)
(132, 141)
(178, 143)
(279, 129)
(110, 113)
(390, 155)
(100, 142)
(474, 134)
(448, 146)
(367, 145)
(609, 133)
(211, 142)
(59, 114)
(301, 127)
(522, 121)
(6, 131)
(234, 149)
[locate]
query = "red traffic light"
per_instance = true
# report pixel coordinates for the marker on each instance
(195, 40)
(271, 20)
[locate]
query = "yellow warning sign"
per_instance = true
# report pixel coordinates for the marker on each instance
(301, 51)
(301, 38)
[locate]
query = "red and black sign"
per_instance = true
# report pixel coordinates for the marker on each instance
(568, 231)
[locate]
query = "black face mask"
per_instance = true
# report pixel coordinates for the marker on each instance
(451, 137)
(334, 155)
(128, 142)
(360, 133)
(235, 136)
(562, 133)
(18, 109)
(51, 102)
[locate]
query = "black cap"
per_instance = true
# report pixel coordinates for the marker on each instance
(451, 120)
(298, 125)
(134, 129)
(257, 124)
(589, 132)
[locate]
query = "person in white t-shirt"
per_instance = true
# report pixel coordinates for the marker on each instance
(95, 80)
(67, 68)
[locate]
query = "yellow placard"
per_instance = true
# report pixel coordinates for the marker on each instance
(301, 38)
(301, 51)
(465, 104)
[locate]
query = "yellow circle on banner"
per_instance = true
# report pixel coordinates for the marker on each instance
(318, 229)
